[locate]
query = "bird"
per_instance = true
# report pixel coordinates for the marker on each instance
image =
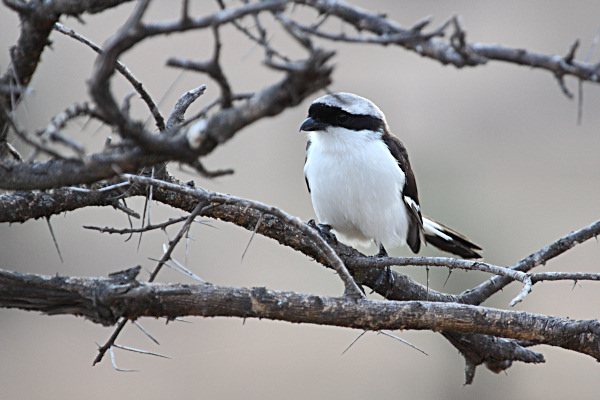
(361, 183)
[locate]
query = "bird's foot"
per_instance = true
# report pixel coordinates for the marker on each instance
(386, 274)
(324, 230)
(386, 277)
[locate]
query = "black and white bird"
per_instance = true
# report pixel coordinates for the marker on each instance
(361, 183)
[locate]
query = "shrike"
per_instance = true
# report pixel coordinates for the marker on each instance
(361, 183)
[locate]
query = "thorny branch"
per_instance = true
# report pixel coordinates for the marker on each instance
(476, 348)
(457, 51)
(105, 300)
(101, 177)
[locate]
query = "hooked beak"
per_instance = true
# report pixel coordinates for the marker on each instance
(312, 125)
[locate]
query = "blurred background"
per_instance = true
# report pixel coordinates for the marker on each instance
(497, 153)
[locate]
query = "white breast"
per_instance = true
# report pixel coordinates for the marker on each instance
(356, 187)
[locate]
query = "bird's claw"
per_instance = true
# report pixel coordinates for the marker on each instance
(385, 276)
(324, 230)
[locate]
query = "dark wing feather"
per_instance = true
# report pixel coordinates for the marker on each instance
(415, 224)
(305, 157)
(458, 244)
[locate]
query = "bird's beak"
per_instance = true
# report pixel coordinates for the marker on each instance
(312, 125)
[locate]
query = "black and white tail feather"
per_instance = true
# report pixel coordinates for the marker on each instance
(449, 240)
(361, 182)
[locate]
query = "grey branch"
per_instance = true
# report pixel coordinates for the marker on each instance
(123, 70)
(37, 22)
(493, 285)
(142, 148)
(457, 51)
(184, 102)
(106, 300)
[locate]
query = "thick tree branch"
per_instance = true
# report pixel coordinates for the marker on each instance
(21, 206)
(74, 171)
(105, 300)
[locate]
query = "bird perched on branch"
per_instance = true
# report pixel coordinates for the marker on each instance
(361, 183)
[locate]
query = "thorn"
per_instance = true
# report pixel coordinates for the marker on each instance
(143, 222)
(178, 268)
(561, 83)
(354, 341)
(54, 239)
(575, 282)
(403, 341)
(146, 332)
(571, 54)
(418, 27)
(260, 219)
(139, 351)
(427, 271)
(112, 359)
(448, 277)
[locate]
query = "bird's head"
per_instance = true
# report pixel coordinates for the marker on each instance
(343, 110)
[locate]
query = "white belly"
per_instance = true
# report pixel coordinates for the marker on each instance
(356, 187)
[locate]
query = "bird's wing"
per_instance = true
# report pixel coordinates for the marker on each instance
(305, 158)
(410, 195)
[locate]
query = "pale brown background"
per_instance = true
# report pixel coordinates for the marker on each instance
(497, 154)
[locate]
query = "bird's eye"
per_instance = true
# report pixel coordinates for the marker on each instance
(342, 117)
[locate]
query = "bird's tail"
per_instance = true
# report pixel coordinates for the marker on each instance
(449, 240)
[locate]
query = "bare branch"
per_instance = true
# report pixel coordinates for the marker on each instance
(110, 342)
(212, 68)
(37, 22)
(564, 276)
(173, 243)
(134, 32)
(493, 285)
(477, 349)
(186, 100)
(123, 70)
(458, 53)
(61, 172)
(184, 145)
(38, 147)
(60, 121)
(103, 301)
(147, 228)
